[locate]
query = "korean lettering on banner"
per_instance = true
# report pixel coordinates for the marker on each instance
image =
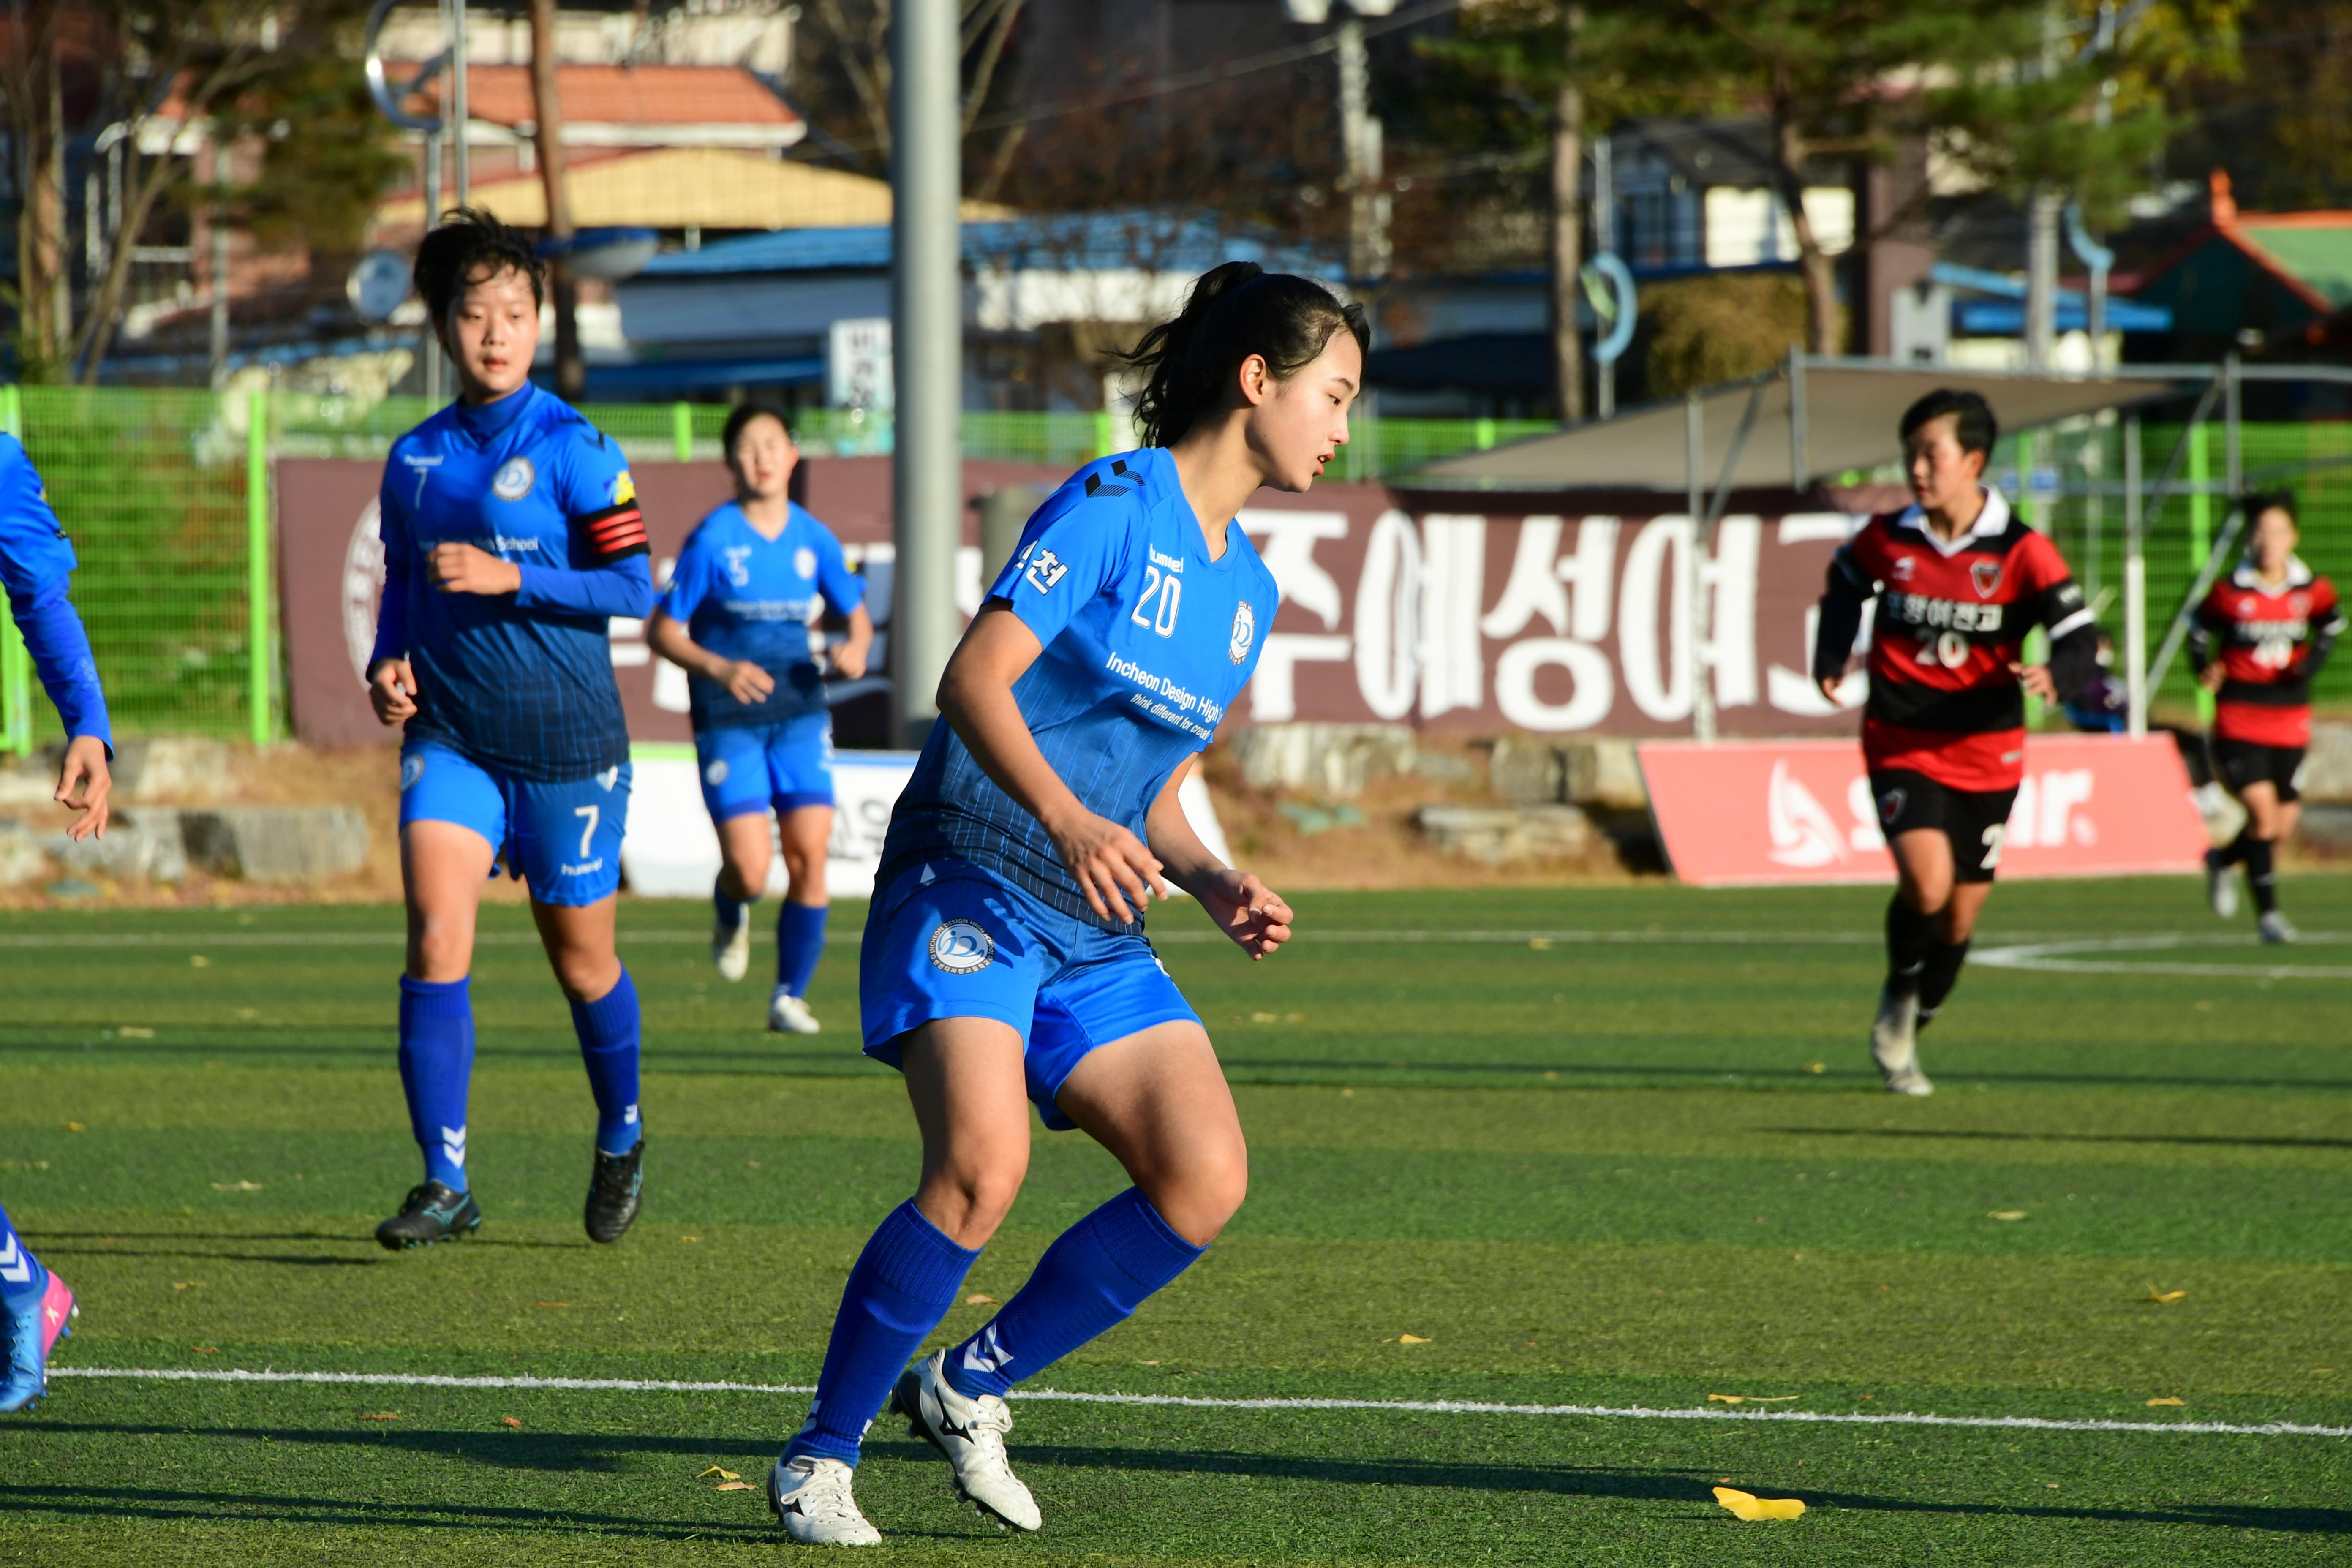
(1553, 621)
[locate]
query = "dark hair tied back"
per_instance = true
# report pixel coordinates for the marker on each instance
(470, 246)
(1234, 311)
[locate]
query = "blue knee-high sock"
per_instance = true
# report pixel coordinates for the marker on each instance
(22, 1278)
(800, 943)
(904, 1283)
(436, 1064)
(1091, 1279)
(607, 1028)
(732, 912)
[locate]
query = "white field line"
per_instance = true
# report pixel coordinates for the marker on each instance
(1402, 1406)
(2060, 957)
(1794, 937)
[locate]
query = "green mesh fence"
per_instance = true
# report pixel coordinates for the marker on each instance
(154, 488)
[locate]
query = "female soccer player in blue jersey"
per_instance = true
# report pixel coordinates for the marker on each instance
(36, 565)
(741, 616)
(510, 536)
(1005, 955)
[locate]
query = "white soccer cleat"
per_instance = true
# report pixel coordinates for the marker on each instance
(2275, 927)
(2221, 885)
(811, 1498)
(730, 946)
(789, 1014)
(970, 1433)
(1894, 1043)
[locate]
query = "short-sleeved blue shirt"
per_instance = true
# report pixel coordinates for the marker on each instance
(743, 595)
(1147, 642)
(521, 681)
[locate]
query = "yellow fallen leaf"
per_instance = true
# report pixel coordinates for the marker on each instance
(689, 1238)
(1264, 1019)
(735, 1486)
(2006, 1214)
(1817, 1066)
(1540, 943)
(2163, 1298)
(381, 1415)
(509, 1421)
(2167, 1399)
(1752, 1398)
(715, 1470)
(136, 1032)
(187, 1284)
(1411, 1340)
(1748, 1506)
(977, 1300)
(205, 1350)
(73, 1127)
(198, 961)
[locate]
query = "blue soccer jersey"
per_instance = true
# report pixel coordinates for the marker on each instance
(1146, 642)
(37, 563)
(522, 682)
(746, 596)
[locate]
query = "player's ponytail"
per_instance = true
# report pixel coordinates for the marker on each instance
(1234, 311)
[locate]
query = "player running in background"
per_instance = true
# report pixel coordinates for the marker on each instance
(1959, 581)
(2258, 640)
(37, 564)
(1004, 956)
(510, 536)
(740, 616)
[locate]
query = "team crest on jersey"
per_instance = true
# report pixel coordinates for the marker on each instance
(514, 479)
(1244, 631)
(411, 768)
(1890, 806)
(1986, 578)
(804, 562)
(1902, 569)
(716, 773)
(962, 947)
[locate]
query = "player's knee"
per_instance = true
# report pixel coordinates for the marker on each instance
(1200, 1196)
(439, 951)
(970, 1196)
(585, 975)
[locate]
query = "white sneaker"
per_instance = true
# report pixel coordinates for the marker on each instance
(810, 1498)
(789, 1014)
(2275, 927)
(730, 946)
(970, 1433)
(2221, 885)
(1895, 1044)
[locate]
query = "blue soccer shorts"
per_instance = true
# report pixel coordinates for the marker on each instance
(750, 769)
(965, 944)
(563, 839)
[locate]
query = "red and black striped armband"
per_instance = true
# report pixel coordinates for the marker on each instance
(613, 532)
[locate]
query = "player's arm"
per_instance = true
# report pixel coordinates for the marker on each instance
(668, 631)
(391, 681)
(1114, 868)
(2206, 627)
(37, 566)
(2074, 636)
(844, 591)
(2327, 626)
(1243, 908)
(1849, 588)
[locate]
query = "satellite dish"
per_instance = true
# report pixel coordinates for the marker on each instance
(378, 284)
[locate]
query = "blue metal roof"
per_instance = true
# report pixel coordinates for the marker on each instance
(1159, 240)
(2003, 315)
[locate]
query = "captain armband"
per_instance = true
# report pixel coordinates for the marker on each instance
(613, 532)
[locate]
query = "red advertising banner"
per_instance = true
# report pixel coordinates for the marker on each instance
(1746, 813)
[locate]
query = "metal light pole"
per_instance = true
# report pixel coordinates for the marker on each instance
(927, 335)
(458, 113)
(390, 98)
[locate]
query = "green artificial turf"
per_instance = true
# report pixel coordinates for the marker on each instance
(1618, 1149)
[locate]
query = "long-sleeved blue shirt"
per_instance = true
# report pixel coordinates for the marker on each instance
(521, 681)
(37, 563)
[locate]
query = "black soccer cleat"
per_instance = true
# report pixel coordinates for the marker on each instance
(430, 1212)
(613, 1193)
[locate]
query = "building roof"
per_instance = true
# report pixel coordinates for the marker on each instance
(1140, 238)
(632, 105)
(2272, 273)
(688, 187)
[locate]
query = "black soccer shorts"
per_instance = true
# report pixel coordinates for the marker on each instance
(2244, 763)
(1976, 821)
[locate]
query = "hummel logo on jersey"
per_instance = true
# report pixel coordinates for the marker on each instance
(1902, 568)
(1986, 578)
(1094, 486)
(16, 1264)
(1046, 570)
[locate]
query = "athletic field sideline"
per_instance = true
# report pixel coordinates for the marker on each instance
(1535, 1174)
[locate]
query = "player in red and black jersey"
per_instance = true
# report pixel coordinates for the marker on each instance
(2258, 639)
(1958, 582)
